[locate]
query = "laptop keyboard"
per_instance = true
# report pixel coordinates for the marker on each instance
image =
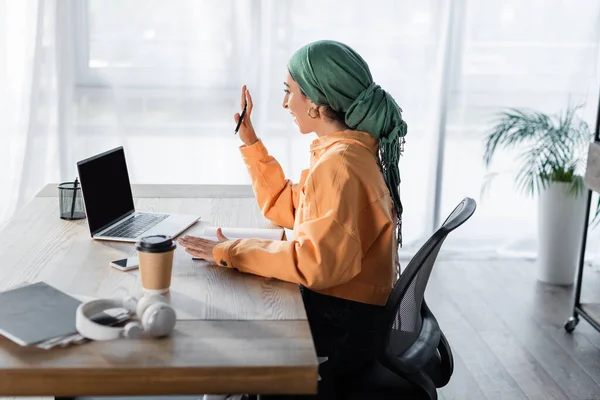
(133, 227)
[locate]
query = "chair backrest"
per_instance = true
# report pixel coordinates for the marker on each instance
(403, 314)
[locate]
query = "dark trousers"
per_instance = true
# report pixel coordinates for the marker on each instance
(344, 331)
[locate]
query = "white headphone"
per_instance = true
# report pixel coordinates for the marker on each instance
(156, 318)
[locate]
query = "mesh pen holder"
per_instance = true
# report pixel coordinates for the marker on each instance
(70, 201)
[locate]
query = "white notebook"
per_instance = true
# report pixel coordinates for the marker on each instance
(210, 233)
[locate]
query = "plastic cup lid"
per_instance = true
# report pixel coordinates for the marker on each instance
(155, 244)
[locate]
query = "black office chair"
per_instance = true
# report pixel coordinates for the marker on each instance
(415, 358)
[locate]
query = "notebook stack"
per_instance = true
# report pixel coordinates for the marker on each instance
(43, 316)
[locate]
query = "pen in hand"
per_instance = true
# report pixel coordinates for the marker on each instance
(241, 118)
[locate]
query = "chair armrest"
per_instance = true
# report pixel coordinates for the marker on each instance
(447, 362)
(416, 357)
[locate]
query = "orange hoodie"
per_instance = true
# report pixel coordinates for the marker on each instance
(344, 242)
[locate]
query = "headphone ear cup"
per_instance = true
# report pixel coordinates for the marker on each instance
(133, 330)
(159, 319)
(146, 301)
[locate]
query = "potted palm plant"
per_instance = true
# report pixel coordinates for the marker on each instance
(550, 166)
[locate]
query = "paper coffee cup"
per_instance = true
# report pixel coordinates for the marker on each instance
(156, 262)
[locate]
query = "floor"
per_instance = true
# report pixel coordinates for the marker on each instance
(506, 332)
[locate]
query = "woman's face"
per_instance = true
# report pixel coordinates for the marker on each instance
(298, 105)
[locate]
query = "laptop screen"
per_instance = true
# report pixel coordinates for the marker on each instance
(106, 188)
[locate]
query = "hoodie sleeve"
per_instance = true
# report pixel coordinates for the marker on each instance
(277, 197)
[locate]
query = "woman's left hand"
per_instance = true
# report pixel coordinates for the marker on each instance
(201, 248)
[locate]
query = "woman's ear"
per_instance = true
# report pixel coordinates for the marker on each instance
(314, 112)
(321, 109)
(323, 112)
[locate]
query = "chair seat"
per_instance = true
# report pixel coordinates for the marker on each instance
(378, 382)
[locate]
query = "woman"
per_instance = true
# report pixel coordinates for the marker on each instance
(345, 210)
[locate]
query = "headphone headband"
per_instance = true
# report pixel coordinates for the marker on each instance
(92, 330)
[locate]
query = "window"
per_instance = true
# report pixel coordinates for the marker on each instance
(535, 54)
(185, 43)
(163, 78)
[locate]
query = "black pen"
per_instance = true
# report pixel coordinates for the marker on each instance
(241, 118)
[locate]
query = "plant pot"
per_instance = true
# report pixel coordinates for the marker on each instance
(561, 217)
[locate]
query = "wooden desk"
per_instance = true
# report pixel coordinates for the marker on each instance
(236, 333)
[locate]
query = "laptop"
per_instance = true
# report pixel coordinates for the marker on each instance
(109, 207)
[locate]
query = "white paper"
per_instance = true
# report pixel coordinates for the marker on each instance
(210, 233)
(289, 234)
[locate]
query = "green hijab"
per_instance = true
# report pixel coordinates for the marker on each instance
(333, 74)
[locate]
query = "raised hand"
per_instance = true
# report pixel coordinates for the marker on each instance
(246, 131)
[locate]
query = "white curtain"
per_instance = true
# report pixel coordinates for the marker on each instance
(17, 42)
(537, 54)
(162, 79)
(29, 101)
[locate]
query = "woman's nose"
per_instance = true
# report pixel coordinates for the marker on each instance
(285, 103)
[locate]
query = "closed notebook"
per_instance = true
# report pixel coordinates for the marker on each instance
(35, 313)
